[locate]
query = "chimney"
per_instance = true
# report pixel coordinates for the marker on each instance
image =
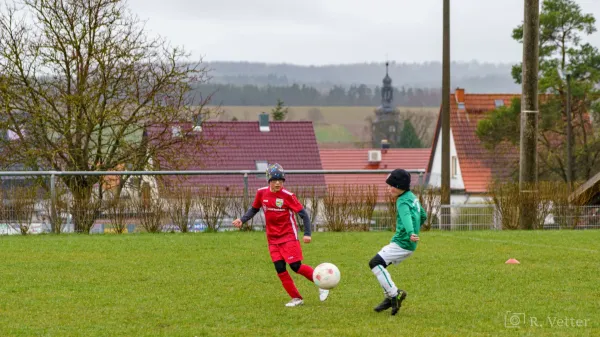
(263, 122)
(459, 94)
(385, 144)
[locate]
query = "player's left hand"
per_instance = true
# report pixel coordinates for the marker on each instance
(307, 239)
(414, 238)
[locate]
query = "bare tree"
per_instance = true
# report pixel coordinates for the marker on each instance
(80, 85)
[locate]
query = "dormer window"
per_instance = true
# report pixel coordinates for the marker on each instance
(262, 165)
(176, 131)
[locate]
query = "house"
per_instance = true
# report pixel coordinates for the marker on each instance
(372, 159)
(472, 167)
(588, 193)
(245, 145)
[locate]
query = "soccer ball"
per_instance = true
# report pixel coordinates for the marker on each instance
(326, 275)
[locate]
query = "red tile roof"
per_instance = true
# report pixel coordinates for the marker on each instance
(238, 145)
(357, 159)
(477, 164)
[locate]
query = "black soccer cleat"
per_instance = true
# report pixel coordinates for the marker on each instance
(396, 301)
(384, 305)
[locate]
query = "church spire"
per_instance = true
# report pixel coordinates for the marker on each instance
(387, 92)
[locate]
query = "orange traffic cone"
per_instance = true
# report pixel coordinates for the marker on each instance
(512, 261)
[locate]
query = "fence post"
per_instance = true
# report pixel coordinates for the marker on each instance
(245, 186)
(53, 202)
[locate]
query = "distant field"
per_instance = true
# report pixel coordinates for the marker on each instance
(347, 122)
(334, 133)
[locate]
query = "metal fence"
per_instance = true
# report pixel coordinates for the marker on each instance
(33, 217)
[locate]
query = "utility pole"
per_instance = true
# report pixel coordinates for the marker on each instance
(569, 137)
(445, 198)
(528, 174)
(566, 77)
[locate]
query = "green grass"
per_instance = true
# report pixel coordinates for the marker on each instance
(224, 284)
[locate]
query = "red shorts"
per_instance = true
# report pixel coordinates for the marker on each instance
(289, 251)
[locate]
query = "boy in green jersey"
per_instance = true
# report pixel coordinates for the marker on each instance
(409, 218)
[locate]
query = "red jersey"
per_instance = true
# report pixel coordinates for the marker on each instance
(279, 208)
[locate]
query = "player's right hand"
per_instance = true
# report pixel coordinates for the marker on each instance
(237, 223)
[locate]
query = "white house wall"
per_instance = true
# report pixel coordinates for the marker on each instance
(435, 176)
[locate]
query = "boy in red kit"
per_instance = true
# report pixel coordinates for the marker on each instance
(279, 206)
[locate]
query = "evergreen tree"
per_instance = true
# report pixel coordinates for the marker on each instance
(280, 111)
(409, 138)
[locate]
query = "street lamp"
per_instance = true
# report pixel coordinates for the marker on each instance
(566, 76)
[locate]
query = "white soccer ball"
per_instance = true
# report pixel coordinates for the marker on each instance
(326, 275)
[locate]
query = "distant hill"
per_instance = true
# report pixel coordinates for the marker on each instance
(474, 76)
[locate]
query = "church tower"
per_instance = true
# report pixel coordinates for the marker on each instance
(386, 126)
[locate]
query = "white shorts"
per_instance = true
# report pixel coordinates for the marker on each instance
(394, 254)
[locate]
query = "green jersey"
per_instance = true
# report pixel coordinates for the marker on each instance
(410, 215)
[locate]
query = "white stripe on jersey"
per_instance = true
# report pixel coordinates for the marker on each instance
(263, 188)
(286, 191)
(293, 220)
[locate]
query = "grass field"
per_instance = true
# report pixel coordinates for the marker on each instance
(334, 134)
(347, 121)
(224, 285)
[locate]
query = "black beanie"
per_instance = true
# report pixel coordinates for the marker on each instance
(400, 179)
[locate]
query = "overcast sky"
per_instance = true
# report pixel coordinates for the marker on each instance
(317, 32)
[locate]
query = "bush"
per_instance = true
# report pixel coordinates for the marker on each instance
(117, 210)
(213, 202)
(20, 209)
(430, 198)
(179, 204)
(309, 197)
(550, 198)
(150, 213)
(349, 207)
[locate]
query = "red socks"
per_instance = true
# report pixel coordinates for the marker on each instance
(289, 285)
(306, 271)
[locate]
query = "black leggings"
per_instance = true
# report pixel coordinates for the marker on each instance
(280, 266)
(376, 261)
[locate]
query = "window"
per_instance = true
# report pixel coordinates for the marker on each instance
(176, 131)
(261, 165)
(498, 103)
(454, 166)
(461, 106)
(392, 128)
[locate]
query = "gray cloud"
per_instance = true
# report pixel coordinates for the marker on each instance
(339, 31)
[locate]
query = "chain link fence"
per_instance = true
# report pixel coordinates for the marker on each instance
(350, 207)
